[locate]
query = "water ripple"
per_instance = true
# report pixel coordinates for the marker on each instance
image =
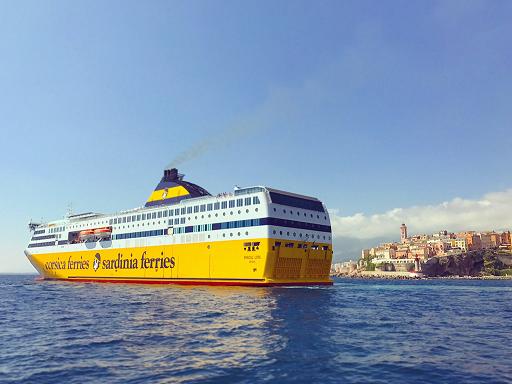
(356, 332)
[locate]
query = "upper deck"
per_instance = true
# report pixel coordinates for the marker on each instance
(245, 213)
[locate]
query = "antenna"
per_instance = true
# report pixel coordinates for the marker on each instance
(69, 211)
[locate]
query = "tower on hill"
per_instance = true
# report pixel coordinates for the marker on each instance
(403, 233)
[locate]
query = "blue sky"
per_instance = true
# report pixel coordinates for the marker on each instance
(367, 105)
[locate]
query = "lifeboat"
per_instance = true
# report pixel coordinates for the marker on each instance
(86, 234)
(103, 232)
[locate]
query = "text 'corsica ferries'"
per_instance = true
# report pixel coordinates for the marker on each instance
(254, 236)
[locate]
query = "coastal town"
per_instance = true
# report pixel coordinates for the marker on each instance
(412, 254)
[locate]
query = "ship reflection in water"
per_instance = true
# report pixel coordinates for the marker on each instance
(354, 331)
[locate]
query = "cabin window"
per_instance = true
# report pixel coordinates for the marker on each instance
(196, 208)
(183, 211)
(189, 209)
(209, 207)
(159, 214)
(203, 208)
(247, 201)
(138, 217)
(231, 203)
(154, 215)
(124, 219)
(239, 202)
(216, 206)
(224, 204)
(255, 200)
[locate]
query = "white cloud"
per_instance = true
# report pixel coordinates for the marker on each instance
(492, 211)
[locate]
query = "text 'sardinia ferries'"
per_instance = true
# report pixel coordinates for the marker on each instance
(184, 235)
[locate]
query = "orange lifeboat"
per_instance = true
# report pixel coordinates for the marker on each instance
(86, 234)
(103, 232)
(107, 230)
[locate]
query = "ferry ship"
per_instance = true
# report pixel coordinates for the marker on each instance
(256, 236)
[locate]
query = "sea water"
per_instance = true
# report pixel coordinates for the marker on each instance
(356, 331)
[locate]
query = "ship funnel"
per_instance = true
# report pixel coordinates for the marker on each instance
(171, 174)
(172, 189)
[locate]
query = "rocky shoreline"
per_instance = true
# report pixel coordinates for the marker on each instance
(388, 276)
(474, 265)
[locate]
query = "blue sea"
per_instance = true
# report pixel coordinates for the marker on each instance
(357, 331)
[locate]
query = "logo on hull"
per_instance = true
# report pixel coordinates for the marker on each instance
(97, 260)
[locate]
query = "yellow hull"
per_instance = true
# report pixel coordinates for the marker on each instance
(224, 263)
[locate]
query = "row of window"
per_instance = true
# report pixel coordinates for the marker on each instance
(298, 214)
(252, 223)
(38, 232)
(56, 229)
(217, 226)
(301, 246)
(312, 237)
(43, 237)
(297, 202)
(187, 210)
(133, 235)
(47, 244)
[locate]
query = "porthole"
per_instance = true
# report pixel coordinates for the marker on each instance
(284, 210)
(231, 234)
(238, 233)
(275, 210)
(246, 233)
(287, 233)
(216, 215)
(223, 213)
(256, 209)
(275, 231)
(195, 217)
(231, 212)
(298, 213)
(209, 215)
(239, 212)
(246, 211)
(202, 216)
(223, 235)
(280, 232)
(294, 234)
